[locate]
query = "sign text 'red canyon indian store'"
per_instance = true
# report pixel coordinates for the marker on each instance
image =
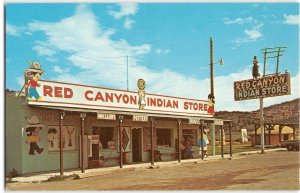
(81, 96)
(268, 86)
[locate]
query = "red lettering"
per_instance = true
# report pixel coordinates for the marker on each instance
(175, 104)
(133, 100)
(195, 106)
(68, 93)
(47, 90)
(201, 106)
(58, 92)
(205, 107)
(185, 104)
(109, 96)
(86, 95)
(159, 102)
(125, 98)
(118, 97)
(99, 97)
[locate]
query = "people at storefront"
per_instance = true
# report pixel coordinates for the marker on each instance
(187, 152)
(205, 143)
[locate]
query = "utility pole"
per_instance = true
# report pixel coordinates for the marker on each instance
(279, 51)
(212, 125)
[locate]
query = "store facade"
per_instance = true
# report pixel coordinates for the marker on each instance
(147, 124)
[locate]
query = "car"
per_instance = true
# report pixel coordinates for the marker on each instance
(291, 145)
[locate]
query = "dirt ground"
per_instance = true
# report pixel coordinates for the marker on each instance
(272, 171)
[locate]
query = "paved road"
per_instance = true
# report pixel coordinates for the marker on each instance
(272, 171)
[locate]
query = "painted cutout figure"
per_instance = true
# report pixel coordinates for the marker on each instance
(33, 74)
(211, 104)
(32, 130)
(142, 100)
(255, 67)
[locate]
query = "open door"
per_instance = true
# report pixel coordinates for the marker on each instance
(136, 145)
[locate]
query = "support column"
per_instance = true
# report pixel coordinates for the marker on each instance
(179, 139)
(262, 143)
(213, 138)
(230, 141)
(280, 133)
(82, 115)
(61, 155)
(201, 133)
(152, 141)
(294, 132)
(120, 140)
(269, 129)
(255, 135)
(222, 145)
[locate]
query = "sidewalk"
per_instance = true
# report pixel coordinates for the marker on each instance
(39, 177)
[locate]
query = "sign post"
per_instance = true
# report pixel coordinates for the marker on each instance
(270, 85)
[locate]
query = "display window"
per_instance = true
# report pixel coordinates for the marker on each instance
(190, 134)
(106, 136)
(68, 137)
(163, 137)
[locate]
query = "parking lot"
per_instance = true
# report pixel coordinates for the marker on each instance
(277, 170)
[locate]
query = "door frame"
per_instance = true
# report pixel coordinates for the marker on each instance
(141, 143)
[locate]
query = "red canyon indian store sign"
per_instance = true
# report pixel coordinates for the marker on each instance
(80, 96)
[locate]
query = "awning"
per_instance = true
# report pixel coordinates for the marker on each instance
(206, 119)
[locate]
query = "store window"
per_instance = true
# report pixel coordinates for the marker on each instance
(190, 134)
(163, 137)
(68, 136)
(106, 136)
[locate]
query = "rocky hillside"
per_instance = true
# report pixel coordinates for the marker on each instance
(286, 112)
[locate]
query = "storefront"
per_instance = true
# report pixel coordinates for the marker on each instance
(148, 124)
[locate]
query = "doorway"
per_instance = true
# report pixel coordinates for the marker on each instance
(136, 145)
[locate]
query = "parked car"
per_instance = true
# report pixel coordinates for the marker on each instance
(291, 145)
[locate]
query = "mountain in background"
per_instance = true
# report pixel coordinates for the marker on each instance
(283, 113)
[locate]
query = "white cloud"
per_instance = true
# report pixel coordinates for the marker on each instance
(59, 70)
(20, 81)
(291, 19)
(12, 30)
(43, 50)
(128, 23)
(251, 35)
(90, 65)
(239, 21)
(162, 51)
(125, 10)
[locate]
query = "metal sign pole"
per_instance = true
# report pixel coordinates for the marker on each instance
(262, 125)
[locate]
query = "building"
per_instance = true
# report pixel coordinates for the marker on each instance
(44, 133)
(274, 135)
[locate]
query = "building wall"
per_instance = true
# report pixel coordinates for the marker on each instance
(49, 160)
(274, 139)
(17, 150)
(13, 134)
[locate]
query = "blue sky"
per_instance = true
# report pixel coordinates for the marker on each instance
(167, 45)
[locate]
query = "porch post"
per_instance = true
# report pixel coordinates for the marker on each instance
(201, 133)
(294, 132)
(222, 145)
(152, 140)
(280, 131)
(61, 158)
(230, 141)
(82, 115)
(213, 138)
(120, 140)
(270, 134)
(255, 135)
(179, 139)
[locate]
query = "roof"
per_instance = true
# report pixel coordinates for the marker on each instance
(285, 130)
